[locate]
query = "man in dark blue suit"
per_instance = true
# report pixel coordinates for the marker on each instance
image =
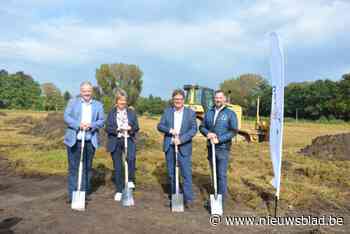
(219, 127)
(178, 123)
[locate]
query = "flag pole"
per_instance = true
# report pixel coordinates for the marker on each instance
(276, 205)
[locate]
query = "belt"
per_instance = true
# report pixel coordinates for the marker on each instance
(85, 141)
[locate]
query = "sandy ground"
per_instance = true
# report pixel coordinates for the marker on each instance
(36, 204)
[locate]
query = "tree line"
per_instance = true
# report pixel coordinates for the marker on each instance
(21, 91)
(313, 100)
(320, 99)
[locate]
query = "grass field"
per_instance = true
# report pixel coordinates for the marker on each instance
(307, 183)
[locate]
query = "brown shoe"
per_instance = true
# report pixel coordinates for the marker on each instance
(189, 206)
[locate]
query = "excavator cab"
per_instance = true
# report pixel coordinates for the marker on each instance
(201, 99)
(198, 98)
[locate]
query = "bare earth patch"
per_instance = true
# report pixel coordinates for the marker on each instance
(331, 147)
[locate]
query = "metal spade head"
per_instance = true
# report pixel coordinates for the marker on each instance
(78, 200)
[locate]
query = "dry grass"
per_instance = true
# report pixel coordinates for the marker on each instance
(306, 182)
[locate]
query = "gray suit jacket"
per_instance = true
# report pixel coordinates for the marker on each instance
(72, 118)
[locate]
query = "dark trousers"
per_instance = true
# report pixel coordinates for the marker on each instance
(222, 156)
(185, 166)
(73, 167)
(117, 156)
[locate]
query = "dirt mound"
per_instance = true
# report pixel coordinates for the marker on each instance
(23, 120)
(52, 126)
(333, 147)
(3, 114)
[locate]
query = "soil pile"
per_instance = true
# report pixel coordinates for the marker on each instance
(52, 128)
(331, 147)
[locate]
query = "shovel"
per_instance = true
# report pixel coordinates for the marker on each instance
(127, 197)
(78, 199)
(177, 199)
(215, 199)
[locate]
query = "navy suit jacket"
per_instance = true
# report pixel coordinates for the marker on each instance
(187, 132)
(112, 126)
(225, 126)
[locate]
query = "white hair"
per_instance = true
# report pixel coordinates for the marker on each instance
(86, 83)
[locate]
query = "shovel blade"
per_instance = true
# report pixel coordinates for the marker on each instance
(127, 197)
(216, 204)
(78, 201)
(177, 203)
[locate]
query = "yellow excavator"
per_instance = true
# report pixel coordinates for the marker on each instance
(200, 99)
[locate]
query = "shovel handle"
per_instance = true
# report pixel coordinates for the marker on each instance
(126, 169)
(80, 174)
(214, 168)
(177, 183)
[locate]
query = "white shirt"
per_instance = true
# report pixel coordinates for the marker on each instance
(86, 114)
(217, 111)
(122, 120)
(178, 116)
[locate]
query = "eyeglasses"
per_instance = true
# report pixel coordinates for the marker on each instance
(178, 99)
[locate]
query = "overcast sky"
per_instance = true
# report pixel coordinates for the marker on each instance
(173, 42)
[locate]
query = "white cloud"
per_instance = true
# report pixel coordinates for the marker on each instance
(302, 24)
(67, 38)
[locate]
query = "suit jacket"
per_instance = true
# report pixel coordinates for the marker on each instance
(187, 132)
(72, 118)
(225, 126)
(112, 126)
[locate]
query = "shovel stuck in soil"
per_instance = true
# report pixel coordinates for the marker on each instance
(78, 199)
(177, 199)
(127, 197)
(215, 199)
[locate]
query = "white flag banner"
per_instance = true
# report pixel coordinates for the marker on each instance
(277, 106)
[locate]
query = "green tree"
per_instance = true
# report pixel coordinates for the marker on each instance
(66, 96)
(151, 105)
(320, 98)
(244, 91)
(111, 77)
(53, 99)
(342, 104)
(19, 91)
(294, 98)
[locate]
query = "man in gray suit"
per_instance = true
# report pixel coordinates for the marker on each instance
(179, 126)
(82, 114)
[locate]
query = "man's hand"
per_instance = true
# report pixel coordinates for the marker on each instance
(211, 136)
(215, 140)
(173, 132)
(177, 141)
(84, 126)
